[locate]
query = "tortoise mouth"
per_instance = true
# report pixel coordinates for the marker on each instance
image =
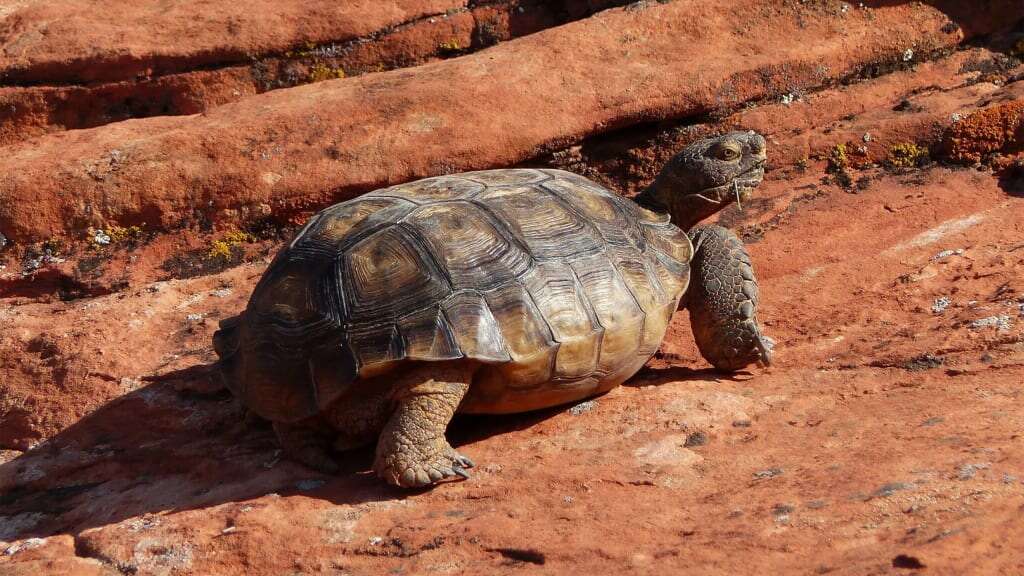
(747, 181)
(741, 187)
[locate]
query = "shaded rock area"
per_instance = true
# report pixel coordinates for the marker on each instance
(888, 237)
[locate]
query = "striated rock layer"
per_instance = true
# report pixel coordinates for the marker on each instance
(289, 152)
(885, 439)
(176, 82)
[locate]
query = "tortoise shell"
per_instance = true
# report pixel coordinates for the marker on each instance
(558, 287)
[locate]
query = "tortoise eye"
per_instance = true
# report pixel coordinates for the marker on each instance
(727, 152)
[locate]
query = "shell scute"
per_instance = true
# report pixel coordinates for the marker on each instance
(670, 241)
(427, 336)
(560, 300)
(376, 345)
(615, 307)
(614, 216)
(434, 189)
(508, 177)
(287, 304)
(389, 274)
(540, 219)
(476, 331)
(344, 224)
(639, 276)
(471, 249)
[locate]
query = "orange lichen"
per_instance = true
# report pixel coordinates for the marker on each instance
(996, 129)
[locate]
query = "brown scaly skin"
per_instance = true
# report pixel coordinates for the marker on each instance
(412, 450)
(407, 411)
(706, 177)
(722, 297)
(407, 419)
(307, 442)
(722, 300)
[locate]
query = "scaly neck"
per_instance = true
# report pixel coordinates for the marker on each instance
(685, 210)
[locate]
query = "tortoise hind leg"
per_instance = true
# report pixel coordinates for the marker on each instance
(358, 421)
(412, 450)
(308, 443)
(722, 300)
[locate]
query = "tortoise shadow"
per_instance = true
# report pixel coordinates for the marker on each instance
(1011, 180)
(658, 375)
(163, 447)
(181, 443)
(470, 428)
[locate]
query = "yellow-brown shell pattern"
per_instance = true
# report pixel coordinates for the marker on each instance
(556, 285)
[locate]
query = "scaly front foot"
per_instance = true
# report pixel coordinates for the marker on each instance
(416, 465)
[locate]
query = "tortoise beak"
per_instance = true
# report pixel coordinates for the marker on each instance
(745, 182)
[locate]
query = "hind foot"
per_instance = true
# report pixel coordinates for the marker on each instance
(306, 444)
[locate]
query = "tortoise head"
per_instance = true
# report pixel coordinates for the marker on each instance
(707, 176)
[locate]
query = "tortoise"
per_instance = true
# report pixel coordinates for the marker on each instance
(495, 291)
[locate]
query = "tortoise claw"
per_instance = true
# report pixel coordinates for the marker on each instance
(766, 347)
(447, 465)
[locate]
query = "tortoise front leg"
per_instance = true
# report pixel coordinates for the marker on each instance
(412, 450)
(722, 299)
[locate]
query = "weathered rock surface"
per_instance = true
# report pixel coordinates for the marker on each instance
(83, 41)
(921, 105)
(297, 150)
(885, 439)
(182, 85)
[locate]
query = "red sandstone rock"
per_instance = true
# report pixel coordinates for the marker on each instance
(81, 41)
(299, 149)
(29, 111)
(869, 118)
(885, 437)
